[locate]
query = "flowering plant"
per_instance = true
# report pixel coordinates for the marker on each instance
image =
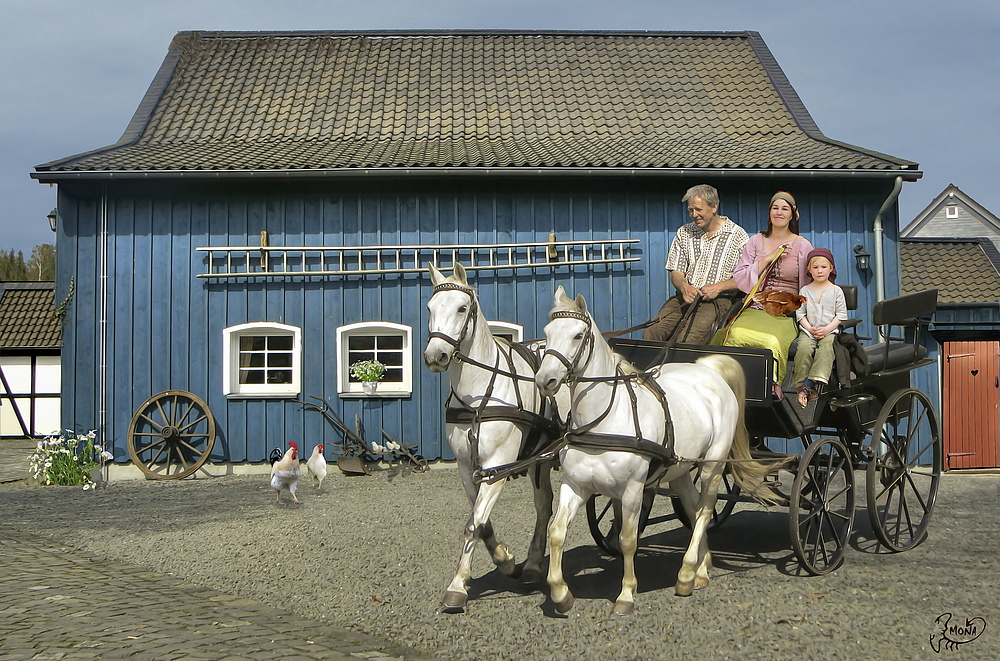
(368, 370)
(67, 459)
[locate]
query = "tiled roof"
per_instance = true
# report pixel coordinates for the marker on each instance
(27, 316)
(331, 100)
(962, 270)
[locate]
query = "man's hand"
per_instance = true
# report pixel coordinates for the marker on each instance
(690, 293)
(711, 292)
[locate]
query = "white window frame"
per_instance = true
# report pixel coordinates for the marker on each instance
(347, 388)
(951, 211)
(231, 361)
(516, 331)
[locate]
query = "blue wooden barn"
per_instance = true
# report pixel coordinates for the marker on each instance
(267, 216)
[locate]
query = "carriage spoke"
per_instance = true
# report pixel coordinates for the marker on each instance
(191, 424)
(150, 446)
(152, 422)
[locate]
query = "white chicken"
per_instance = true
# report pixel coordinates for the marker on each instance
(317, 465)
(285, 472)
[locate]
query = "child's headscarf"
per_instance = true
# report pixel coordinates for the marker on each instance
(822, 252)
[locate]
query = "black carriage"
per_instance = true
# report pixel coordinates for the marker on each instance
(868, 418)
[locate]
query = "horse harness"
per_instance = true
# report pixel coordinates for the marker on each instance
(584, 436)
(464, 414)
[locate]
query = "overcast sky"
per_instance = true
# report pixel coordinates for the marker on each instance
(917, 79)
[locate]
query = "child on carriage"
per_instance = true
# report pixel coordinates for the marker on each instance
(825, 308)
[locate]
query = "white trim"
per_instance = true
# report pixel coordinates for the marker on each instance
(231, 385)
(347, 388)
(506, 328)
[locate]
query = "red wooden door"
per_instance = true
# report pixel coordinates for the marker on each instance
(971, 397)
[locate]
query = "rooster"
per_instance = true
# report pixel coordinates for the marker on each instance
(285, 472)
(317, 465)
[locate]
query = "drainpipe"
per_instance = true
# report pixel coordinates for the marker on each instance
(877, 229)
(102, 333)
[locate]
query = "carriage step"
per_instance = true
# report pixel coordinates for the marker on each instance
(849, 401)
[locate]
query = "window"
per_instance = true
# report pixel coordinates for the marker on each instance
(510, 332)
(383, 341)
(262, 359)
(951, 211)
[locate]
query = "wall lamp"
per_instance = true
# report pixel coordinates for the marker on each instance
(52, 218)
(862, 257)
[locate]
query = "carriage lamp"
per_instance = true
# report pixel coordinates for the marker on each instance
(52, 219)
(862, 256)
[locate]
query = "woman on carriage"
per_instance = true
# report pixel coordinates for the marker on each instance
(773, 260)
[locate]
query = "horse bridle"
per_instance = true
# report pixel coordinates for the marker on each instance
(588, 342)
(470, 317)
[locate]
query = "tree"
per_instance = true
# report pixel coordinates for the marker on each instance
(12, 266)
(42, 265)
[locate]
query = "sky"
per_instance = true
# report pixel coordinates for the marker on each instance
(916, 79)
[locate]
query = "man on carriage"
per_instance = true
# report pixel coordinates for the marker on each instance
(700, 262)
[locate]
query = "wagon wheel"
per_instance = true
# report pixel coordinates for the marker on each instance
(171, 435)
(729, 493)
(904, 470)
(821, 511)
(603, 516)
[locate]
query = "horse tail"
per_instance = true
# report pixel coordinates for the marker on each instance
(748, 473)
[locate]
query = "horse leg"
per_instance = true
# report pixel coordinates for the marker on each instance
(694, 572)
(628, 539)
(478, 527)
(570, 502)
(531, 573)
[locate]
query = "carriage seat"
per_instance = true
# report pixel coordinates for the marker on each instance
(904, 312)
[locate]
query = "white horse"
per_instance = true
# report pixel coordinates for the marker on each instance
(493, 412)
(620, 421)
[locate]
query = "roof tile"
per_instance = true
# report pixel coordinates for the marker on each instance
(314, 100)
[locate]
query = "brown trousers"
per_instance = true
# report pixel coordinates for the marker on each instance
(698, 329)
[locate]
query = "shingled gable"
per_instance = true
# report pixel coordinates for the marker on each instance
(308, 103)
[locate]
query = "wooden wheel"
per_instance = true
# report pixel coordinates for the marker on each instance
(171, 435)
(604, 516)
(904, 470)
(729, 493)
(821, 511)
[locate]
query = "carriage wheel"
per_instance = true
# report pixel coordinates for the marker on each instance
(171, 435)
(904, 470)
(603, 516)
(821, 511)
(729, 493)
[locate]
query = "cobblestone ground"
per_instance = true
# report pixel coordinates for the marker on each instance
(213, 569)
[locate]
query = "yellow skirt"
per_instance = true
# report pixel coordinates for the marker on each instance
(756, 328)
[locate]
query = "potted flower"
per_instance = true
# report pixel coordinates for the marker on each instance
(369, 373)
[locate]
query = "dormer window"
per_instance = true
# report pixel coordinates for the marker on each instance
(951, 212)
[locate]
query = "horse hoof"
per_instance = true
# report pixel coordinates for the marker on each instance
(624, 608)
(700, 583)
(531, 577)
(563, 607)
(454, 602)
(509, 568)
(684, 588)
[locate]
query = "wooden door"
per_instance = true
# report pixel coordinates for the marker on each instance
(971, 396)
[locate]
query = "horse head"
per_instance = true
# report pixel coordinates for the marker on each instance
(569, 342)
(453, 310)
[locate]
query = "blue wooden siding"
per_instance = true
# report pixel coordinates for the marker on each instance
(164, 325)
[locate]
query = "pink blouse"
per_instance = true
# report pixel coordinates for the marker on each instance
(789, 274)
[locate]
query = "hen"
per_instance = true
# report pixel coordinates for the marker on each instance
(285, 472)
(317, 465)
(779, 303)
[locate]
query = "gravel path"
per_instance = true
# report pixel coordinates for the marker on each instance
(375, 554)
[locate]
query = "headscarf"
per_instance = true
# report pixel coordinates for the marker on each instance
(822, 252)
(787, 197)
